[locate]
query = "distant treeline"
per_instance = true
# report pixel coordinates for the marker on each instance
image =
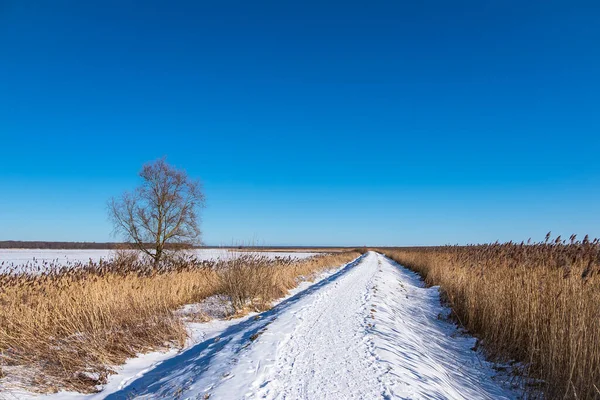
(19, 244)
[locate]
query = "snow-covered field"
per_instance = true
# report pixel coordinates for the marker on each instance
(20, 257)
(370, 330)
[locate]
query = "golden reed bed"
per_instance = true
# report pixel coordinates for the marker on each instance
(67, 327)
(534, 303)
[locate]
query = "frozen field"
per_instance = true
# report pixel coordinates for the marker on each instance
(22, 257)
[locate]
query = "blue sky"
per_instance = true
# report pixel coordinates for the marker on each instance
(309, 123)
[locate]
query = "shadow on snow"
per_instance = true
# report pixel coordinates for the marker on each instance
(196, 360)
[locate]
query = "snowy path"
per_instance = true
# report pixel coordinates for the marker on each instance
(370, 331)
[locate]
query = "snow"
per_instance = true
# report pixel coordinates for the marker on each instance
(23, 256)
(369, 330)
(35, 257)
(199, 334)
(425, 357)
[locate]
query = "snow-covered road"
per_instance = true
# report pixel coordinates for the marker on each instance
(369, 331)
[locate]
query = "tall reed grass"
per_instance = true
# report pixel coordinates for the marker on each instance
(538, 304)
(66, 328)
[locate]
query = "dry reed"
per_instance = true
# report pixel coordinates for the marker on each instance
(65, 328)
(538, 304)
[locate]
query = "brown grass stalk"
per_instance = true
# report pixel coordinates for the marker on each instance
(66, 328)
(538, 304)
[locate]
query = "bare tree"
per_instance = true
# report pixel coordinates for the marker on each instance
(162, 211)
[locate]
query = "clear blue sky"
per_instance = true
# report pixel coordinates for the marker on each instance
(342, 123)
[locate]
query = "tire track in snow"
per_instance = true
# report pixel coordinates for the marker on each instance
(370, 331)
(328, 346)
(374, 333)
(426, 357)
